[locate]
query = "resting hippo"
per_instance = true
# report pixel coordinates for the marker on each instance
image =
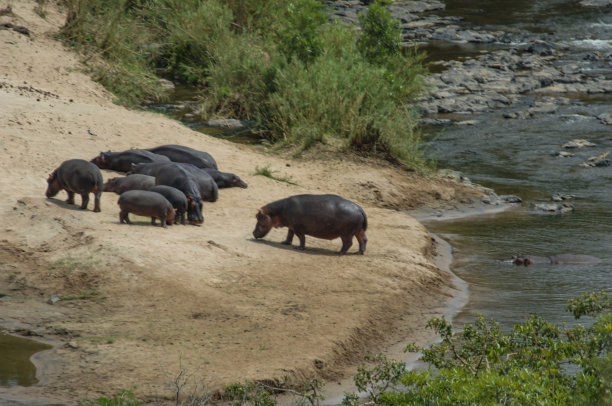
(321, 216)
(177, 199)
(145, 203)
(209, 191)
(179, 178)
(122, 161)
(180, 153)
(132, 182)
(77, 176)
(559, 259)
(225, 179)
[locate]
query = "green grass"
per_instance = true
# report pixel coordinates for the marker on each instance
(70, 264)
(269, 173)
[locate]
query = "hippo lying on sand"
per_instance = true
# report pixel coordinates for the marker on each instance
(321, 216)
(559, 259)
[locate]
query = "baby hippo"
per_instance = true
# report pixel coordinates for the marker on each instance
(132, 182)
(145, 203)
(176, 198)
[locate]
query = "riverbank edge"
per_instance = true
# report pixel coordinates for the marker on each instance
(449, 308)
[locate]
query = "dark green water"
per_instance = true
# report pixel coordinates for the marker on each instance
(517, 157)
(15, 365)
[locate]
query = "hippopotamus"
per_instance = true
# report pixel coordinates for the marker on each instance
(180, 153)
(209, 191)
(225, 179)
(559, 259)
(176, 198)
(177, 177)
(145, 203)
(77, 176)
(322, 216)
(131, 182)
(122, 161)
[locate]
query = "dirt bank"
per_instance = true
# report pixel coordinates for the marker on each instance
(145, 302)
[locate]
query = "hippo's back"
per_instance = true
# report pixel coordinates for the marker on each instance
(80, 176)
(324, 216)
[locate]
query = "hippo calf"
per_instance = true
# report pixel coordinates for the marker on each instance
(559, 259)
(321, 216)
(177, 199)
(145, 203)
(77, 176)
(132, 182)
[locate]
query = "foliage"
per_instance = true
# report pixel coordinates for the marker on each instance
(380, 37)
(249, 394)
(298, 35)
(125, 398)
(269, 173)
(281, 63)
(536, 363)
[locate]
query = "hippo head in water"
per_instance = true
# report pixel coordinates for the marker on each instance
(521, 260)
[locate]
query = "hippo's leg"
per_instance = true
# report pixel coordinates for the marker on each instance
(182, 218)
(84, 200)
(302, 238)
(163, 222)
(70, 197)
(97, 202)
(123, 217)
(153, 221)
(346, 244)
(362, 238)
(289, 238)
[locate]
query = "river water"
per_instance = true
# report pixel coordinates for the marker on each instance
(517, 156)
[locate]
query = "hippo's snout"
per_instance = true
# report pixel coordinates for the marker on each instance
(259, 232)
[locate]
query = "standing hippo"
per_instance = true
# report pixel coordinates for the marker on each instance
(321, 216)
(179, 178)
(132, 182)
(180, 153)
(77, 176)
(559, 259)
(122, 161)
(145, 203)
(225, 179)
(209, 191)
(177, 199)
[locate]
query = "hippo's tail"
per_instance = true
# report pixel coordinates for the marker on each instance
(365, 220)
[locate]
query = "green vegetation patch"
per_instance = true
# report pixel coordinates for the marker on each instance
(303, 78)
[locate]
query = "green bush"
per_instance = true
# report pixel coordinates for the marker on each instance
(537, 363)
(281, 63)
(380, 37)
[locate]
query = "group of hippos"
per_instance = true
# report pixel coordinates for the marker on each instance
(170, 182)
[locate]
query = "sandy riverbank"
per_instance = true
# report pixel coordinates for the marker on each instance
(150, 302)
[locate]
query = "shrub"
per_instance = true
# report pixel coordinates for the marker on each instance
(536, 363)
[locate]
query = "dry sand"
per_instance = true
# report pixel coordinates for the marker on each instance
(149, 302)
